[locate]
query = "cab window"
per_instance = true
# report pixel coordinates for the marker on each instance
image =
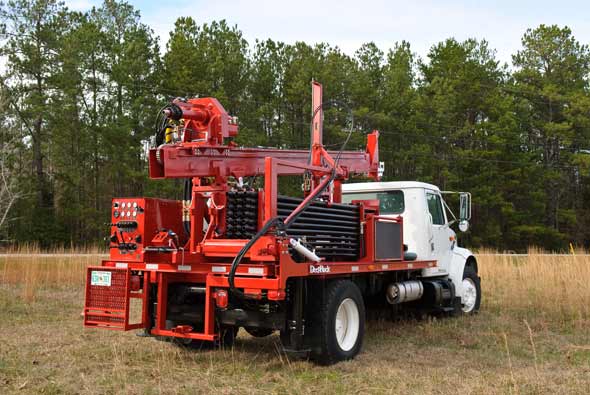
(435, 208)
(390, 202)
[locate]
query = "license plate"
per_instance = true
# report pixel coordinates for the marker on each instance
(102, 279)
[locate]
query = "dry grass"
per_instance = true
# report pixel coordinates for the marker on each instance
(30, 272)
(549, 284)
(34, 249)
(557, 285)
(532, 336)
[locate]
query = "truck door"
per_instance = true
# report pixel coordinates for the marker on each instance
(440, 234)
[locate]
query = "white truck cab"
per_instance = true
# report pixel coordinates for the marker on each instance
(427, 229)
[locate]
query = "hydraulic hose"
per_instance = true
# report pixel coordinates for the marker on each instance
(272, 222)
(236, 262)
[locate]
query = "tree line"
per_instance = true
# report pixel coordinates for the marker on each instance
(79, 93)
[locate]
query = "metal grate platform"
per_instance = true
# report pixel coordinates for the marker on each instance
(107, 298)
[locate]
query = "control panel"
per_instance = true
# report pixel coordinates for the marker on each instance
(138, 223)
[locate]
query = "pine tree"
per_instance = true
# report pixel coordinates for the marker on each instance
(551, 84)
(34, 29)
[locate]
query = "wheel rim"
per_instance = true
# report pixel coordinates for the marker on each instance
(469, 295)
(347, 324)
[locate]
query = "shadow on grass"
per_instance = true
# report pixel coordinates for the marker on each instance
(270, 347)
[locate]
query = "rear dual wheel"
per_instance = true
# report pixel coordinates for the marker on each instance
(342, 323)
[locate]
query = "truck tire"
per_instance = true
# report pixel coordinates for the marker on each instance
(342, 323)
(259, 332)
(471, 291)
(227, 336)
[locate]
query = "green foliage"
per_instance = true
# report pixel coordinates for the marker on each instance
(84, 89)
(551, 84)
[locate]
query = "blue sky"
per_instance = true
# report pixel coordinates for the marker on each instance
(348, 24)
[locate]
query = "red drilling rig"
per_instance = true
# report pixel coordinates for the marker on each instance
(231, 256)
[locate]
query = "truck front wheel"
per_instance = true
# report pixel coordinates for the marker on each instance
(471, 291)
(342, 323)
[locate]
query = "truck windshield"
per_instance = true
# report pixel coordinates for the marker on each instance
(390, 202)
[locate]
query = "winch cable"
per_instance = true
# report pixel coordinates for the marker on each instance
(281, 226)
(323, 105)
(336, 162)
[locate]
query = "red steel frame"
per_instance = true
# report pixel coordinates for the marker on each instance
(268, 265)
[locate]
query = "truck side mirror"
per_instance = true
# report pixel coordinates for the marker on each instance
(464, 211)
(464, 206)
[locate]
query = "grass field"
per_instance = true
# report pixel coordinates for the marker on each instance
(532, 336)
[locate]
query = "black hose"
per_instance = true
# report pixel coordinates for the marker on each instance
(161, 132)
(236, 262)
(160, 126)
(272, 222)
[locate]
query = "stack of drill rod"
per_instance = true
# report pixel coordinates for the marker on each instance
(333, 230)
(241, 216)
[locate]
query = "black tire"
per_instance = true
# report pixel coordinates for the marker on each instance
(192, 344)
(226, 340)
(329, 351)
(227, 336)
(259, 332)
(470, 274)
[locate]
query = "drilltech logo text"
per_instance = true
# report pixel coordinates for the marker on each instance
(319, 269)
